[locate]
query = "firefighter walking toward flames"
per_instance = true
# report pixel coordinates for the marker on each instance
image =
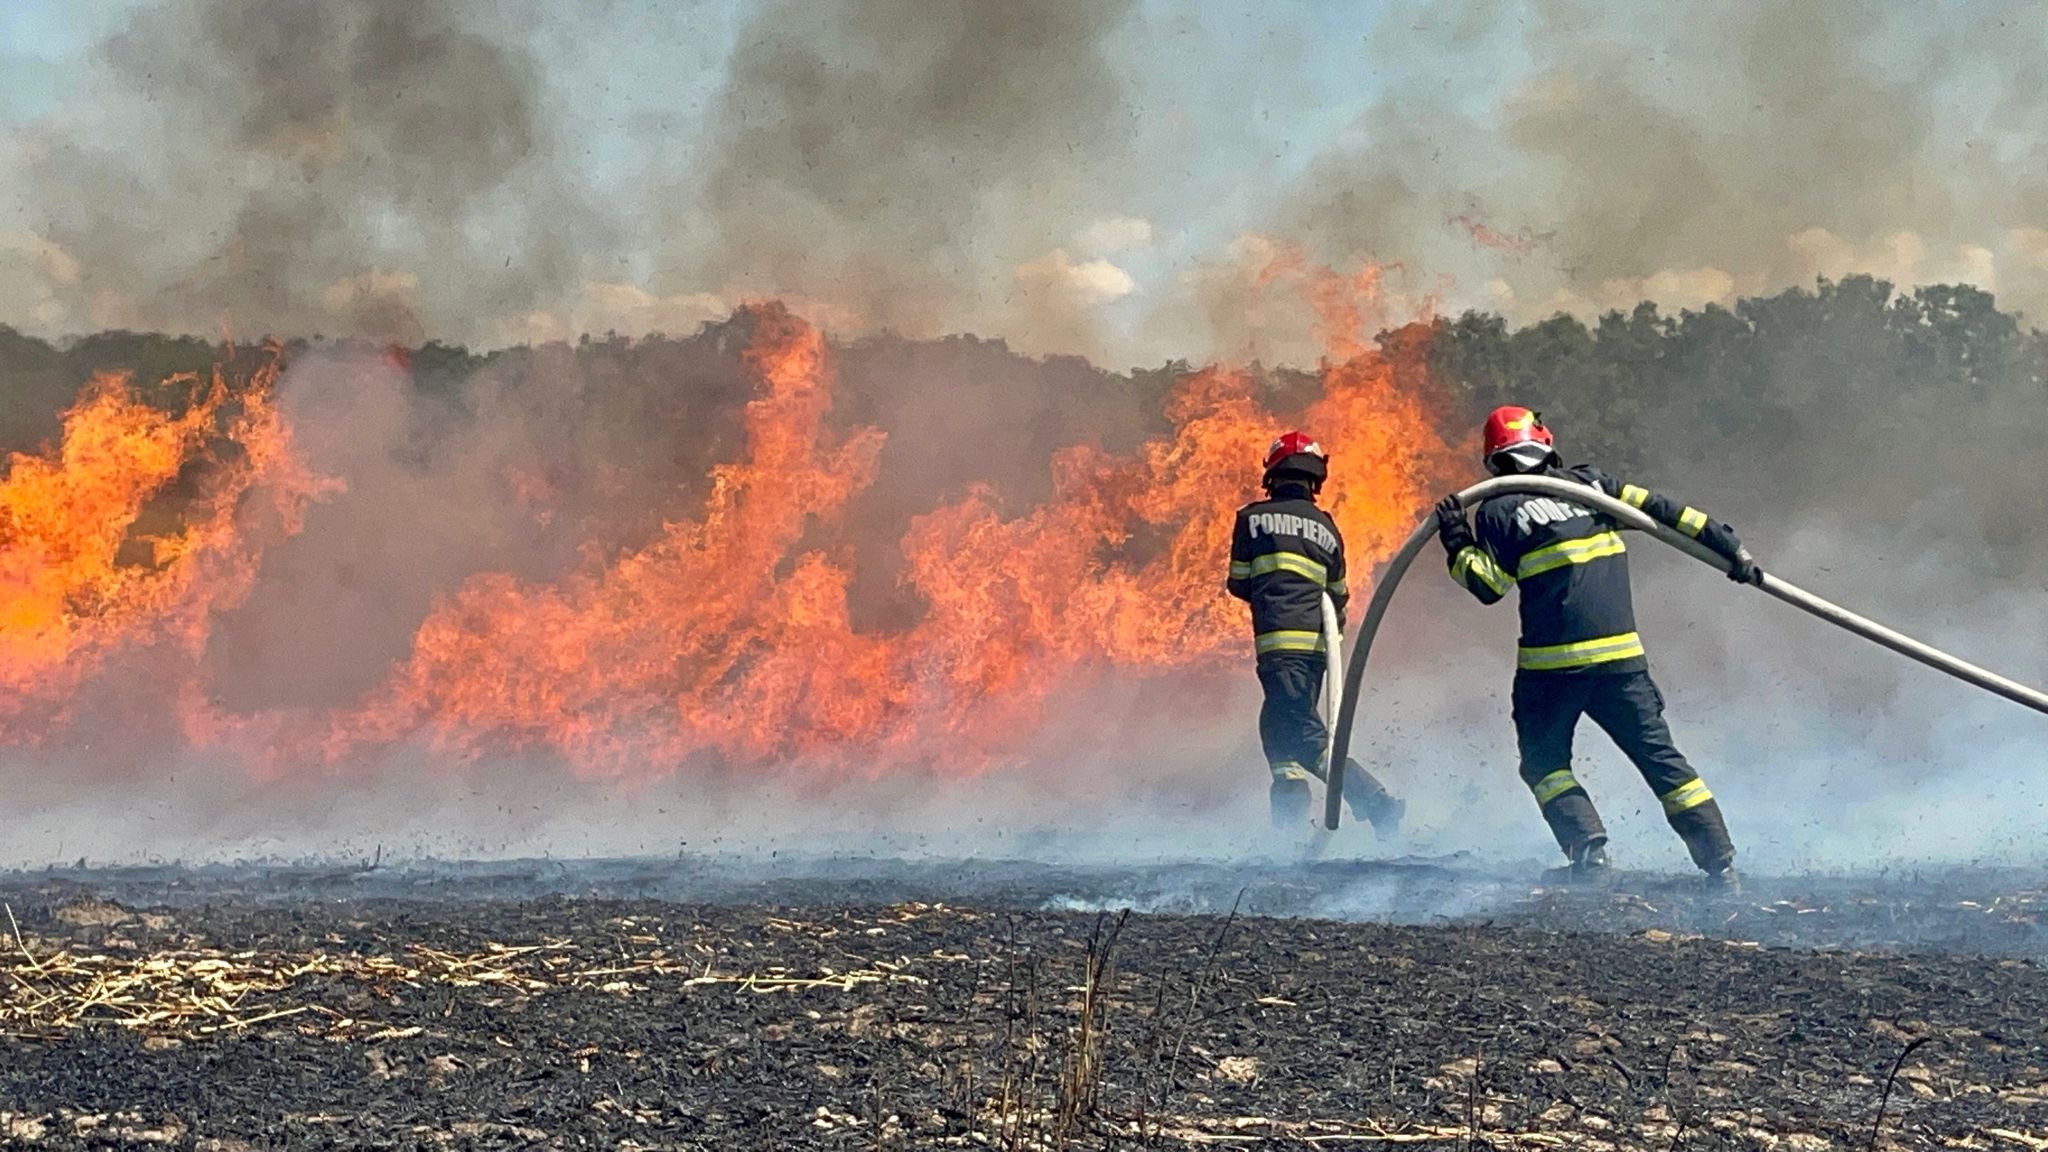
(1580, 653)
(1285, 555)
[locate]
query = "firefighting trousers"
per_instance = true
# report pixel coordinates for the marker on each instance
(1290, 727)
(1295, 740)
(1630, 709)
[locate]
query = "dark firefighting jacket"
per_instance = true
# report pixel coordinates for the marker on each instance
(1284, 554)
(1571, 564)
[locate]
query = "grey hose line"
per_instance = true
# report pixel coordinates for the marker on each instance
(1628, 516)
(1333, 673)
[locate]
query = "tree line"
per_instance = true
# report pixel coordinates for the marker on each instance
(1847, 391)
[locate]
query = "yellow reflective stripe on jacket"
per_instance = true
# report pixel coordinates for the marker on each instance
(1692, 521)
(1565, 552)
(1582, 654)
(1634, 496)
(1472, 560)
(1240, 570)
(1688, 795)
(1289, 640)
(1293, 562)
(1554, 785)
(1340, 588)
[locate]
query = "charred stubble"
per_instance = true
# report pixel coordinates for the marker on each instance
(582, 1022)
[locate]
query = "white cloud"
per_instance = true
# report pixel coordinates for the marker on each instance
(1670, 289)
(1976, 265)
(2032, 246)
(1115, 234)
(1089, 282)
(1903, 258)
(532, 328)
(1822, 253)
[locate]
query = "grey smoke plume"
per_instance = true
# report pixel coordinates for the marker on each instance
(1692, 155)
(452, 169)
(892, 157)
(370, 167)
(404, 170)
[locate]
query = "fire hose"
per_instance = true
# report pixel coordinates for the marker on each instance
(1346, 699)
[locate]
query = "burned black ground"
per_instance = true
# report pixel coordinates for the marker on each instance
(292, 1008)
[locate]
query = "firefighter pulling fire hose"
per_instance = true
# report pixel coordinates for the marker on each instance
(1580, 653)
(1627, 512)
(1287, 563)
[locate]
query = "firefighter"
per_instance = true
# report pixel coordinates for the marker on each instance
(1580, 654)
(1285, 554)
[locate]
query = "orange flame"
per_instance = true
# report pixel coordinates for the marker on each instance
(86, 576)
(727, 640)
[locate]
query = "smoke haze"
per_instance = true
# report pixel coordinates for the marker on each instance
(1093, 178)
(1076, 179)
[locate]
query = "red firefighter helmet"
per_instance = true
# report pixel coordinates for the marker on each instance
(1515, 440)
(1296, 455)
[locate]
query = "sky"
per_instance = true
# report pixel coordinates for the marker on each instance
(1115, 179)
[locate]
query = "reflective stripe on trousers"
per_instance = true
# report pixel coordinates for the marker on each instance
(1554, 785)
(1686, 797)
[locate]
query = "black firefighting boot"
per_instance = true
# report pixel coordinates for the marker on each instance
(1590, 864)
(1706, 838)
(1366, 798)
(1586, 866)
(1287, 801)
(1369, 799)
(1725, 882)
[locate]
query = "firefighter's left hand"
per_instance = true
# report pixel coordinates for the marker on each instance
(1743, 569)
(1450, 524)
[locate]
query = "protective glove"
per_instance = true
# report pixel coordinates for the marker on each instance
(1721, 538)
(1450, 524)
(1743, 569)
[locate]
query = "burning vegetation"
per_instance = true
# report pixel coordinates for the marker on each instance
(730, 633)
(758, 550)
(119, 546)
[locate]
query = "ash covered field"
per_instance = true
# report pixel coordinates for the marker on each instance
(839, 1003)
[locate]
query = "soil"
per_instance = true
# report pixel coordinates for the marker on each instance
(814, 1007)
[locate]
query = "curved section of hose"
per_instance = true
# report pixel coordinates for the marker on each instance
(1390, 575)
(1333, 673)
